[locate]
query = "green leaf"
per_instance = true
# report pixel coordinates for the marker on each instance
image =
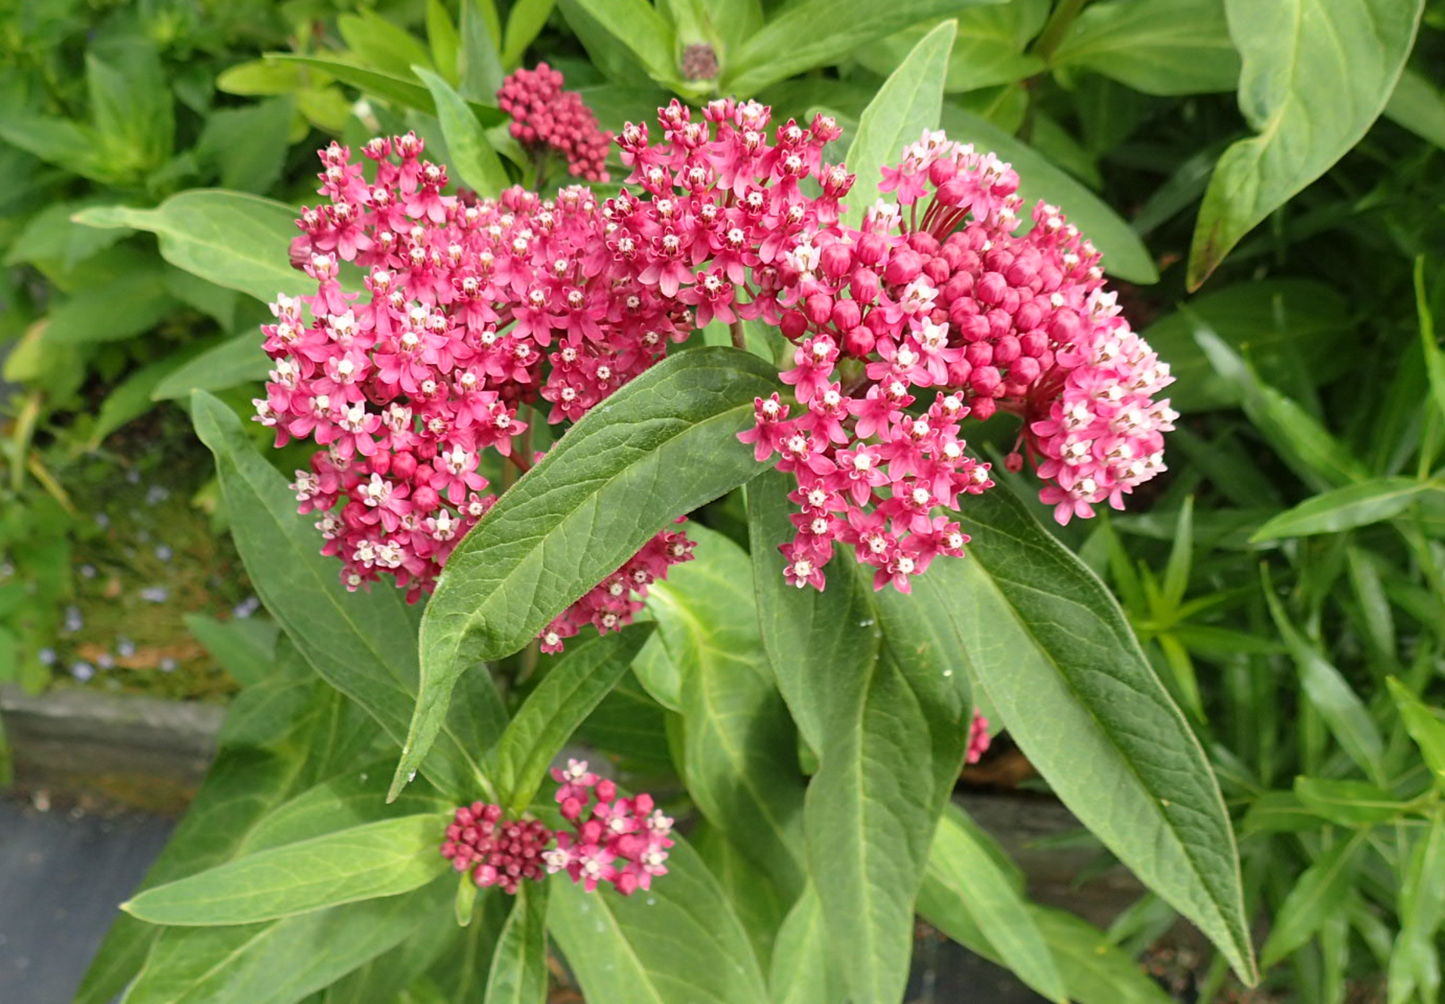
(1278, 812)
(245, 648)
(279, 962)
(362, 643)
(1302, 442)
(519, 965)
(1315, 77)
(132, 397)
(1348, 803)
(810, 637)
(741, 762)
(1287, 327)
(378, 44)
(1342, 710)
(1124, 253)
(387, 86)
(1415, 961)
(1346, 508)
(472, 156)
(662, 445)
(235, 361)
(907, 105)
(111, 312)
(1322, 885)
(1418, 106)
(575, 683)
(442, 39)
(355, 797)
(759, 902)
(235, 240)
(1156, 46)
(1052, 651)
(246, 147)
(988, 49)
(801, 971)
(660, 945)
(1424, 726)
(809, 33)
(386, 858)
(959, 859)
(638, 25)
(479, 62)
(1434, 355)
(525, 22)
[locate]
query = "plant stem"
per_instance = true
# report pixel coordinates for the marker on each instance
(739, 341)
(1057, 26)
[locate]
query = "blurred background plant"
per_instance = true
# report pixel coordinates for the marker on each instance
(1288, 579)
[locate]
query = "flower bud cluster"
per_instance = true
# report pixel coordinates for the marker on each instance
(467, 312)
(621, 841)
(978, 738)
(497, 852)
(545, 117)
(938, 292)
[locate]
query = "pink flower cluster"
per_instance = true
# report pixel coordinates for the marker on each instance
(545, 117)
(978, 738)
(949, 300)
(475, 310)
(622, 841)
(497, 852)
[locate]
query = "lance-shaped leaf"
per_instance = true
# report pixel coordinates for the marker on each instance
(659, 447)
(908, 103)
(233, 239)
(1315, 77)
(802, 971)
(362, 862)
(1346, 508)
(1053, 653)
(575, 684)
(473, 159)
(741, 748)
(519, 965)
(361, 643)
(678, 941)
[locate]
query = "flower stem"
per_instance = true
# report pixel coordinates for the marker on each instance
(739, 341)
(1057, 26)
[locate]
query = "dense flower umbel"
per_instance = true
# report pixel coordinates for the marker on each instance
(978, 739)
(621, 841)
(545, 117)
(471, 309)
(949, 304)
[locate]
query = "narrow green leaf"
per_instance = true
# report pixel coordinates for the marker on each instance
(233, 362)
(387, 86)
(1315, 77)
(1278, 812)
(576, 682)
(638, 25)
(1346, 508)
(1348, 803)
(1424, 726)
(660, 446)
(809, 33)
(245, 648)
(1340, 707)
(113, 311)
(519, 965)
(480, 64)
(131, 398)
(1124, 253)
(1301, 441)
(1155, 46)
(1052, 651)
(443, 40)
(472, 156)
(1323, 884)
(364, 862)
(1286, 325)
(525, 22)
(378, 44)
(233, 239)
(1419, 106)
(988, 50)
(279, 962)
(660, 945)
(741, 763)
(362, 643)
(355, 797)
(959, 860)
(1434, 355)
(802, 972)
(1415, 961)
(908, 104)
